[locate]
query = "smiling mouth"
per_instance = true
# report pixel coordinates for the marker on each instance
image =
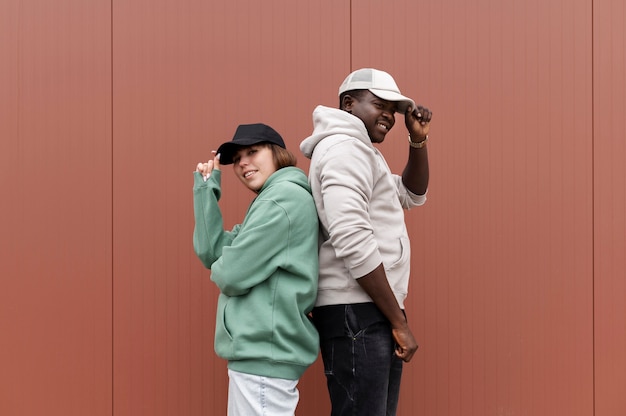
(249, 173)
(386, 128)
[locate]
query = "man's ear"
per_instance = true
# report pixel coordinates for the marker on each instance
(347, 102)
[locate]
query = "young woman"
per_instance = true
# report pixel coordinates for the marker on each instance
(266, 269)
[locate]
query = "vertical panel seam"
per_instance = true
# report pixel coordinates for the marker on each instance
(593, 215)
(112, 229)
(350, 37)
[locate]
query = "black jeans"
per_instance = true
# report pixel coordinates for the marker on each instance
(362, 371)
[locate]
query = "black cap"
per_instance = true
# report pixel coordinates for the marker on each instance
(247, 135)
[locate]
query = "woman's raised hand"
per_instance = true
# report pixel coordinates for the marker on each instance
(205, 168)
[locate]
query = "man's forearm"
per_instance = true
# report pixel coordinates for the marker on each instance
(377, 287)
(416, 172)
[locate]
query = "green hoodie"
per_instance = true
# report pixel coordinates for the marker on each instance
(266, 269)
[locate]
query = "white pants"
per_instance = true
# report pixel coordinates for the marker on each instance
(250, 395)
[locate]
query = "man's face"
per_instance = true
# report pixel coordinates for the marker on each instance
(377, 114)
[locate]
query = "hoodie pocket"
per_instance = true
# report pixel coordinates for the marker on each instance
(223, 338)
(402, 256)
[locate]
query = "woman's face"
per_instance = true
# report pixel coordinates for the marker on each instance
(253, 165)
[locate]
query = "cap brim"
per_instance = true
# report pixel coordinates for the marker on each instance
(403, 102)
(227, 150)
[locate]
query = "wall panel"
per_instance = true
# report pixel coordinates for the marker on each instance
(55, 238)
(501, 296)
(609, 151)
(185, 74)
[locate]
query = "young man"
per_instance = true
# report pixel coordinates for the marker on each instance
(364, 252)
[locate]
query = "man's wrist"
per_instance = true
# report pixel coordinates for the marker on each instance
(419, 144)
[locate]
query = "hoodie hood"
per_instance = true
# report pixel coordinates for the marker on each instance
(289, 174)
(332, 121)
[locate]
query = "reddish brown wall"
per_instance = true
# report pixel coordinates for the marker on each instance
(518, 293)
(609, 197)
(55, 215)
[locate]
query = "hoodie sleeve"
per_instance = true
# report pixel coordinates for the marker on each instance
(257, 252)
(407, 198)
(209, 236)
(347, 180)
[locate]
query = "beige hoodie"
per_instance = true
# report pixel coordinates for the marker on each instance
(360, 206)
